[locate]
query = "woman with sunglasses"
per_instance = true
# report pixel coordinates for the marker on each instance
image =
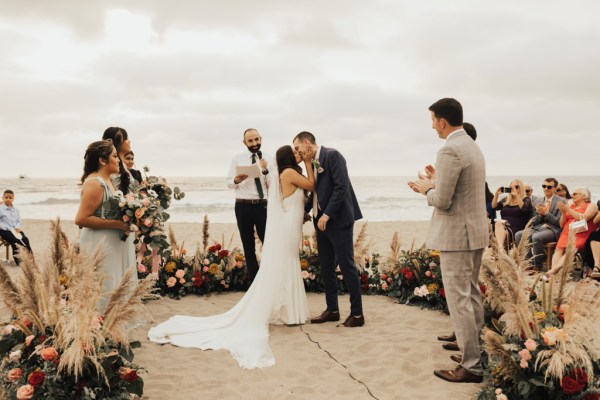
(581, 209)
(563, 191)
(515, 211)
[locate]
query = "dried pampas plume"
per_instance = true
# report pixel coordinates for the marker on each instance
(205, 233)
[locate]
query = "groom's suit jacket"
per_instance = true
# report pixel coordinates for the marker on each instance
(334, 191)
(552, 219)
(459, 221)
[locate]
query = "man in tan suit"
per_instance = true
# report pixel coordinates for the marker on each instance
(458, 229)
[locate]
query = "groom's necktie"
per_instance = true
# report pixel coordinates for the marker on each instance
(261, 194)
(315, 201)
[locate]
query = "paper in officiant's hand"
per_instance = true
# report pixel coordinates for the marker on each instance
(253, 171)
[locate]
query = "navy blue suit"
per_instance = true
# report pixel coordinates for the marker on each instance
(336, 245)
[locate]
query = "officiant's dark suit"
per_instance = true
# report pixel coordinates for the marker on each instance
(335, 198)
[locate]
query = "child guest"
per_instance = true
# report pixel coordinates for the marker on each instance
(10, 225)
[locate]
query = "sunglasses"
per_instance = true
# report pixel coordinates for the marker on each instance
(547, 186)
(560, 190)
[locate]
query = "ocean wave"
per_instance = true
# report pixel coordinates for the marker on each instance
(54, 201)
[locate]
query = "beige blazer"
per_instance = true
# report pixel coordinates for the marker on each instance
(459, 220)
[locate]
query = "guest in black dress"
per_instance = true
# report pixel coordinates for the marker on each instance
(515, 212)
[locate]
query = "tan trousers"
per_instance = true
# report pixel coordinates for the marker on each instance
(460, 274)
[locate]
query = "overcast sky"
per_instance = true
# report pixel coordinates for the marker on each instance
(186, 78)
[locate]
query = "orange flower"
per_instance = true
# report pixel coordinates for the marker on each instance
(14, 374)
(213, 269)
(25, 392)
(303, 264)
(139, 213)
(170, 266)
(49, 353)
(171, 281)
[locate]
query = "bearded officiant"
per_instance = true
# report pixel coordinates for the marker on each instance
(250, 197)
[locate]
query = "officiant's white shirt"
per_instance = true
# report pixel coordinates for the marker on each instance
(247, 188)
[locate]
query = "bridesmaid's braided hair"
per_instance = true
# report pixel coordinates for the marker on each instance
(95, 151)
(118, 136)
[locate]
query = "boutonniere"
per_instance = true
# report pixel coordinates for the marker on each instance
(317, 165)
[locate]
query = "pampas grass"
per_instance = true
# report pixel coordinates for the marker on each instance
(205, 232)
(361, 247)
(62, 296)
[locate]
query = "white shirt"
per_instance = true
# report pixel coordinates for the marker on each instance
(10, 218)
(247, 188)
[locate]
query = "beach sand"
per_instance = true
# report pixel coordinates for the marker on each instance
(392, 357)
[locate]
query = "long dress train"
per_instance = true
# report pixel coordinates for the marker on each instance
(276, 296)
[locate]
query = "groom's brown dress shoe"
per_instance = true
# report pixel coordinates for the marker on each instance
(452, 346)
(353, 322)
(447, 338)
(326, 316)
(456, 358)
(458, 375)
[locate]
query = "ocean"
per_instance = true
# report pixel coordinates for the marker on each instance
(381, 198)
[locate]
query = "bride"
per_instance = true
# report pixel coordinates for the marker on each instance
(277, 294)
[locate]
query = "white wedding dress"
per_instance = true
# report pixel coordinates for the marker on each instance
(276, 296)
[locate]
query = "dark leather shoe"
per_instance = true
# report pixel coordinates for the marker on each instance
(447, 338)
(456, 358)
(353, 322)
(452, 346)
(326, 316)
(458, 375)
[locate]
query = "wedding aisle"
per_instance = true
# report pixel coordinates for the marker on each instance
(393, 355)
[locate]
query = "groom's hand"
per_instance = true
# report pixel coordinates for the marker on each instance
(322, 223)
(421, 185)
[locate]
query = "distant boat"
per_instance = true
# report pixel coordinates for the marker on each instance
(22, 176)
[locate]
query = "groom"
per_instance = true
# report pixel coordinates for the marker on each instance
(334, 208)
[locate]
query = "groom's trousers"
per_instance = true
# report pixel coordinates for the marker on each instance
(336, 246)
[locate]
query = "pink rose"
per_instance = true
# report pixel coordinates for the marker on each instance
(171, 281)
(14, 374)
(383, 277)
(28, 340)
(384, 286)
(427, 273)
(223, 282)
(312, 277)
(206, 261)
(179, 274)
(433, 276)
(525, 355)
(389, 280)
(524, 364)
(25, 392)
(205, 269)
(50, 353)
(148, 222)
(145, 202)
(305, 274)
(129, 197)
(530, 344)
(126, 218)
(182, 281)
(142, 268)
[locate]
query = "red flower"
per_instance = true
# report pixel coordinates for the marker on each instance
(218, 246)
(212, 249)
(408, 275)
(405, 270)
(223, 253)
(571, 386)
(364, 278)
(36, 378)
(442, 292)
(580, 375)
(205, 278)
(482, 289)
(591, 396)
(197, 279)
(365, 287)
(128, 374)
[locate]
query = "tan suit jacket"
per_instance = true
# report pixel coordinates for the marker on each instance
(459, 221)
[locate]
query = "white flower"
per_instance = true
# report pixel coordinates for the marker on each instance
(15, 355)
(421, 291)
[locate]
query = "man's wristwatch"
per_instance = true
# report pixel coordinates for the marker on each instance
(427, 191)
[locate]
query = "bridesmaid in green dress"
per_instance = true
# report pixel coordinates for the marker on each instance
(98, 213)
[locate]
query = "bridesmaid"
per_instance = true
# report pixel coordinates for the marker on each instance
(98, 213)
(122, 179)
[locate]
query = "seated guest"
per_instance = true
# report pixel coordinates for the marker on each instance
(529, 193)
(581, 209)
(10, 225)
(491, 211)
(546, 222)
(515, 211)
(592, 248)
(563, 191)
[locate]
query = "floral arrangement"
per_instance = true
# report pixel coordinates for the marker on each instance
(545, 345)
(58, 346)
(414, 277)
(309, 265)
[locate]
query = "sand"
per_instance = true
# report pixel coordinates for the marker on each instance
(392, 357)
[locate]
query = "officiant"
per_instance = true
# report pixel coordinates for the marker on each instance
(250, 196)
